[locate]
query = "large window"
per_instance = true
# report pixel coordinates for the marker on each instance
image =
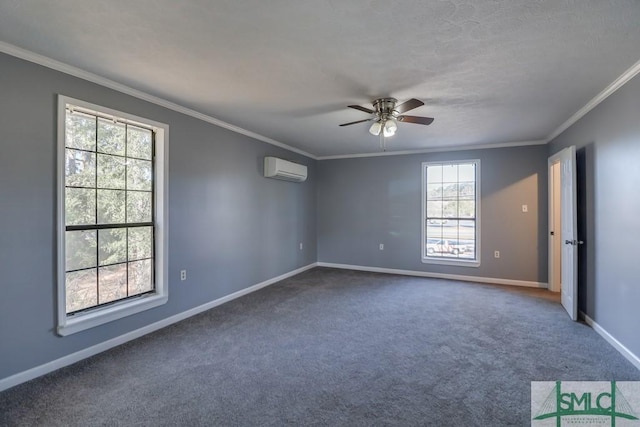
(450, 229)
(112, 228)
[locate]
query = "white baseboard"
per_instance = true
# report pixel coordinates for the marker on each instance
(32, 373)
(460, 277)
(628, 354)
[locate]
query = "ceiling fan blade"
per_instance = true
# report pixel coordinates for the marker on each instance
(353, 123)
(416, 120)
(357, 107)
(408, 105)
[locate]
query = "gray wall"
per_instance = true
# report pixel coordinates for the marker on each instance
(228, 226)
(608, 153)
(366, 201)
(231, 228)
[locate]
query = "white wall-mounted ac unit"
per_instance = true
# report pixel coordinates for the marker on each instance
(284, 169)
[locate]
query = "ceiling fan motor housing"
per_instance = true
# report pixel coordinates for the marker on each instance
(385, 107)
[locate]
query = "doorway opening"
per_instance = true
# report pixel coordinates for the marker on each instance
(555, 227)
(563, 254)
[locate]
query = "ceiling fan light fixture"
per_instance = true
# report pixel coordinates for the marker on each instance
(375, 128)
(390, 128)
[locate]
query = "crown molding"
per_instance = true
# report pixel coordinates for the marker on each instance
(609, 90)
(436, 150)
(45, 61)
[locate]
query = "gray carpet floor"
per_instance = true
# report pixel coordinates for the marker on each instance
(332, 348)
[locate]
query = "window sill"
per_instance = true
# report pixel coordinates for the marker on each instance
(456, 262)
(80, 322)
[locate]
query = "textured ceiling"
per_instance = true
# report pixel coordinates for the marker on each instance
(490, 72)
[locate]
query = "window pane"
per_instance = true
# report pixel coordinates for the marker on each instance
(467, 209)
(450, 233)
(138, 206)
(450, 192)
(140, 277)
(434, 191)
(434, 230)
(81, 289)
(453, 248)
(80, 168)
(139, 175)
(467, 235)
(111, 137)
(80, 206)
(450, 209)
(467, 190)
(111, 172)
(140, 243)
(139, 142)
(467, 172)
(434, 246)
(434, 209)
(434, 174)
(113, 246)
(111, 205)
(450, 229)
(449, 173)
(80, 131)
(113, 283)
(80, 249)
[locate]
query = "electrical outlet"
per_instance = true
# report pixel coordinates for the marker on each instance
(525, 208)
(300, 245)
(382, 246)
(496, 254)
(183, 275)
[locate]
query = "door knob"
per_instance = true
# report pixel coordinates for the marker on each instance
(573, 242)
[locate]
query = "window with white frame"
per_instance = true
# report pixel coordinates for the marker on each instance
(450, 212)
(112, 228)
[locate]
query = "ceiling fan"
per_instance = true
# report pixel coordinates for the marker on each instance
(386, 115)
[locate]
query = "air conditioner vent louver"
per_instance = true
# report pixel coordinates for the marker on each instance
(283, 169)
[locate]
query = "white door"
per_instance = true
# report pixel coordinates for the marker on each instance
(568, 233)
